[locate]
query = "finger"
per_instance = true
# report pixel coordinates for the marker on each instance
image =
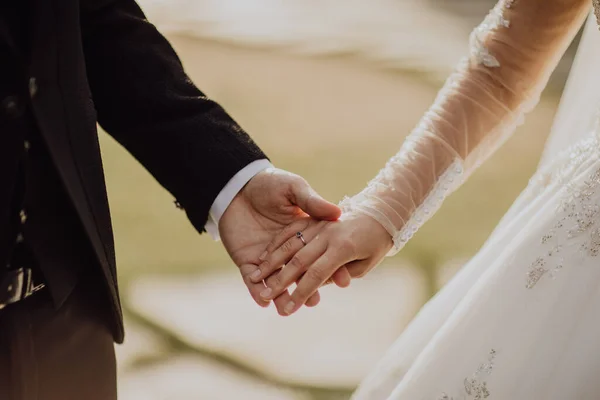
(254, 288)
(314, 278)
(285, 234)
(342, 277)
(313, 300)
(280, 300)
(359, 268)
(284, 298)
(284, 253)
(294, 269)
(311, 203)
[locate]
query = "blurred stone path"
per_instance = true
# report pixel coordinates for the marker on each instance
(193, 378)
(330, 347)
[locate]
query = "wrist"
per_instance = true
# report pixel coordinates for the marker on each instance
(230, 191)
(355, 206)
(371, 223)
(237, 203)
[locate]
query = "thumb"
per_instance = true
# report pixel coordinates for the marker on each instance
(312, 204)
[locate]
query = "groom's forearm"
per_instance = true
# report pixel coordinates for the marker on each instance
(146, 101)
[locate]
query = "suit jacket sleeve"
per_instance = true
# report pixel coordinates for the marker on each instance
(146, 102)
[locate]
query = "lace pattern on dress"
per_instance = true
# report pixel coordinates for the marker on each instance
(579, 223)
(578, 212)
(494, 20)
(596, 4)
(475, 386)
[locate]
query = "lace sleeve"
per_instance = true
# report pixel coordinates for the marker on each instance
(512, 54)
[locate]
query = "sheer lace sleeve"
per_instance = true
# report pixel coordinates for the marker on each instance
(512, 54)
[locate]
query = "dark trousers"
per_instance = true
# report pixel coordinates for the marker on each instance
(64, 354)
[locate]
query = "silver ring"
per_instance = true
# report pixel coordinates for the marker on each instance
(300, 236)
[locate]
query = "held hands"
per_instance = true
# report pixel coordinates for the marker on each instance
(352, 246)
(270, 201)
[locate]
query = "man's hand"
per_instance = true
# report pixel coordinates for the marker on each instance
(272, 200)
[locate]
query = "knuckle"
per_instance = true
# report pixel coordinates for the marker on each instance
(346, 246)
(296, 263)
(292, 183)
(316, 274)
(298, 180)
(274, 281)
(303, 293)
(300, 295)
(287, 247)
(272, 245)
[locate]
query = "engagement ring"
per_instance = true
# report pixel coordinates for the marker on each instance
(300, 236)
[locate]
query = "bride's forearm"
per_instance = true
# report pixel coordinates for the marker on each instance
(512, 56)
(439, 154)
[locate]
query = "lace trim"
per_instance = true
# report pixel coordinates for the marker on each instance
(445, 185)
(494, 20)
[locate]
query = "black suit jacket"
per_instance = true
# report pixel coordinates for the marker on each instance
(100, 60)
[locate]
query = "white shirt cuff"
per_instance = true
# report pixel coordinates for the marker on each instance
(228, 192)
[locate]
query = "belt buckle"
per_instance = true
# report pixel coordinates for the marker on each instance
(21, 287)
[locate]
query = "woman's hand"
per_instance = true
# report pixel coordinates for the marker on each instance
(336, 251)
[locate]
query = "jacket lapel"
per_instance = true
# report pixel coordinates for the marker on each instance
(52, 114)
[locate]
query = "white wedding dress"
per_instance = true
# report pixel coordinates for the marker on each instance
(521, 321)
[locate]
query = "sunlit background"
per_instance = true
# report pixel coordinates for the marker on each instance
(328, 89)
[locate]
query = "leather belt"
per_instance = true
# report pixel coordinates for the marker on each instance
(17, 285)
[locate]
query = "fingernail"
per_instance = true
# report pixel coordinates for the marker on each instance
(289, 307)
(263, 256)
(266, 293)
(255, 275)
